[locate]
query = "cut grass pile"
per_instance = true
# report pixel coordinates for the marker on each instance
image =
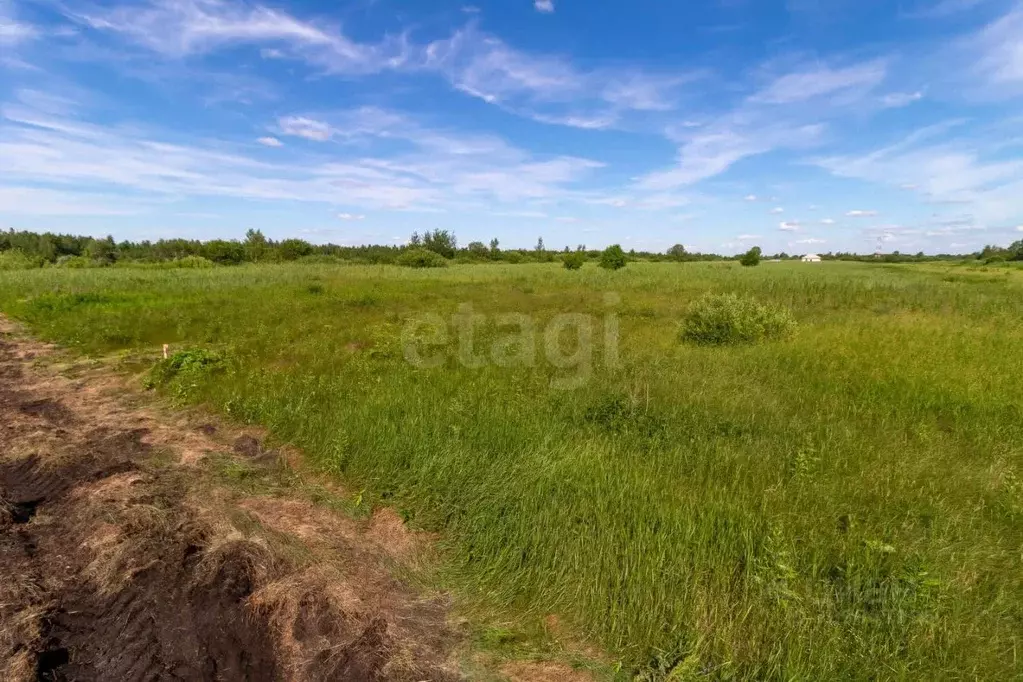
(843, 503)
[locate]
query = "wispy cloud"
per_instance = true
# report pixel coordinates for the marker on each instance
(310, 129)
(789, 226)
(437, 170)
(827, 221)
(777, 209)
(180, 28)
(894, 100)
(859, 213)
(800, 86)
(810, 240)
(545, 6)
(12, 31)
(351, 216)
(270, 142)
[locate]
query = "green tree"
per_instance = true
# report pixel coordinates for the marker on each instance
(477, 249)
(751, 258)
(573, 260)
(441, 242)
(223, 252)
(677, 253)
(256, 247)
(293, 249)
(612, 258)
(102, 250)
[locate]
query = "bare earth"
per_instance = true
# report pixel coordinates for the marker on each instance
(121, 560)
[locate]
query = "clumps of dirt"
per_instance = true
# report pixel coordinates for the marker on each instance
(48, 409)
(251, 448)
(119, 565)
(544, 671)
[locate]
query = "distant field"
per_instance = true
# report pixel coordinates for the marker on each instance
(844, 504)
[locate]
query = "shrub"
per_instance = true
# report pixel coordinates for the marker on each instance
(717, 319)
(751, 258)
(421, 258)
(76, 262)
(613, 258)
(513, 257)
(15, 259)
(185, 370)
(574, 260)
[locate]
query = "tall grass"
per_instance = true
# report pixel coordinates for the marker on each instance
(844, 504)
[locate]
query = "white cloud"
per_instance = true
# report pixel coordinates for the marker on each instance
(747, 237)
(777, 209)
(942, 8)
(712, 151)
(179, 28)
(895, 100)
(1000, 49)
(827, 221)
(545, 6)
(350, 216)
(858, 213)
(567, 219)
(1019, 228)
(751, 197)
(822, 80)
(811, 240)
(437, 170)
(310, 129)
(471, 9)
(789, 226)
(13, 32)
(270, 142)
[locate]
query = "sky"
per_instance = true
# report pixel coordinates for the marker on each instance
(796, 125)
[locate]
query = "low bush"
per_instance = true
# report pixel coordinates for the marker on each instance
(185, 370)
(717, 319)
(15, 259)
(421, 258)
(574, 260)
(613, 258)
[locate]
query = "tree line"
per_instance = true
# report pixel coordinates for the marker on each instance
(39, 249)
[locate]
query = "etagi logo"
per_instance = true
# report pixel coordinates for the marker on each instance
(567, 341)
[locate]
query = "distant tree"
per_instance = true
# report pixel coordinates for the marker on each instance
(415, 241)
(539, 245)
(421, 258)
(441, 242)
(293, 249)
(1016, 250)
(477, 249)
(612, 258)
(494, 244)
(223, 252)
(102, 250)
(581, 247)
(573, 260)
(256, 246)
(751, 258)
(677, 253)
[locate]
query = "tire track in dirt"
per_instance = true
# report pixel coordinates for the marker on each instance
(116, 567)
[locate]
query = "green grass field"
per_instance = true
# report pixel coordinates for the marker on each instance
(846, 503)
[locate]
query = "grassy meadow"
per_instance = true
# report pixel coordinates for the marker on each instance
(844, 503)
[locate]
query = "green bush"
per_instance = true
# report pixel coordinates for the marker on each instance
(15, 259)
(751, 258)
(185, 370)
(78, 262)
(717, 319)
(613, 258)
(421, 258)
(574, 260)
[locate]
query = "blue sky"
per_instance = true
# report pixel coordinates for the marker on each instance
(797, 125)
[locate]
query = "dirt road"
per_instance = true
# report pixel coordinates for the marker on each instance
(121, 559)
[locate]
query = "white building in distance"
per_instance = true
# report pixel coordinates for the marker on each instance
(811, 258)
